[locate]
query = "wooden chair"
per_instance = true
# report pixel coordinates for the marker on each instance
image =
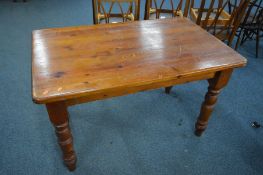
(252, 24)
(212, 16)
(155, 9)
(112, 11)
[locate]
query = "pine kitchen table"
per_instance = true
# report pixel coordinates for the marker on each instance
(75, 65)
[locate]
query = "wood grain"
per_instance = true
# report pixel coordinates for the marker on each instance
(74, 62)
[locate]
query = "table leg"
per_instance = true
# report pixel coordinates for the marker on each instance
(215, 85)
(168, 89)
(58, 115)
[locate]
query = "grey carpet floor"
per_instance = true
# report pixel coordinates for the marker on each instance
(145, 133)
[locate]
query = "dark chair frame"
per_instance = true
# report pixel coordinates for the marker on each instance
(252, 24)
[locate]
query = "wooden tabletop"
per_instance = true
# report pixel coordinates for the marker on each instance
(74, 62)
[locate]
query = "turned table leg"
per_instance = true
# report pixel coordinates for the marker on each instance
(215, 85)
(58, 115)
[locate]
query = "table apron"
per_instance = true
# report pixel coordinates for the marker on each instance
(120, 91)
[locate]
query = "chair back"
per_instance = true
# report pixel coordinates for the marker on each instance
(112, 11)
(254, 16)
(155, 9)
(212, 16)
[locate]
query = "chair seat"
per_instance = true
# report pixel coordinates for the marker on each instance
(223, 18)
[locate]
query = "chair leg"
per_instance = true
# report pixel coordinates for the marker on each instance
(238, 39)
(146, 10)
(257, 42)
(168, 89)
(244, 37)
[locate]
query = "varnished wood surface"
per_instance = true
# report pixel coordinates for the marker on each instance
(78, 62)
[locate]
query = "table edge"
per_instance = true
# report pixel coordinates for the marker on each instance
(70, 96)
